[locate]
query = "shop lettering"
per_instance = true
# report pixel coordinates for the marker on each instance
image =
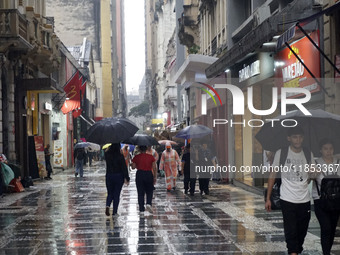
(292, 71)
(238, 100)
(249, 71)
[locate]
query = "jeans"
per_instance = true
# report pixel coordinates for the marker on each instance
(295, 223)
(79, 167)
(144, 183)
(328, 221)
(114, 184)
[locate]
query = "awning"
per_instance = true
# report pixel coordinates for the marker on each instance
(193, 70)
(273, 26)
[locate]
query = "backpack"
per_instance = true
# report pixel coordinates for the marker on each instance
(275, 195)
(330, 191)
(80, 154)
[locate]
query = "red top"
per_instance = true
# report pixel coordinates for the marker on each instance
(144, 161)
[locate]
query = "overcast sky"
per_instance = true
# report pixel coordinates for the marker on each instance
(134, 44)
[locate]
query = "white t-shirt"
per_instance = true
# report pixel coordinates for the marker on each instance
(294, 177)
(326, 169)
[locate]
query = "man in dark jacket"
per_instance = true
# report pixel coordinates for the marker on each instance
(79, 156)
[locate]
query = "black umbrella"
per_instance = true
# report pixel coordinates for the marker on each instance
(111, 130)
(141, 139)
(319, 125)
(194, 131)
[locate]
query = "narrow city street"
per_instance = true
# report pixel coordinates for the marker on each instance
(66, 216)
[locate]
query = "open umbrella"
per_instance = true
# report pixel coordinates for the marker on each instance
(81, 145)
(163, 142)
(319, 125)
(194, 131)
(141, 139)
(93, 147)
(111, 130)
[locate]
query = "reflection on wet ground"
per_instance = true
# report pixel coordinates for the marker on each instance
(66, 216)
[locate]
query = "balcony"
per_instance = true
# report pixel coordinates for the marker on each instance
(13, 30)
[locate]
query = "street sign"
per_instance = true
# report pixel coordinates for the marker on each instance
(286, 37)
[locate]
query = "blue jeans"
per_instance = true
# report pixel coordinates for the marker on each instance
(79, 167)
(114, 184)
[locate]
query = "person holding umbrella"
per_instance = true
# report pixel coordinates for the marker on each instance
(328, 219)
(146, 177)
(116, 174)
(79, 156)
(294, 193)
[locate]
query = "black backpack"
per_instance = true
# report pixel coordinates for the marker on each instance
(275, 195)
(80, 154)
(330, 191)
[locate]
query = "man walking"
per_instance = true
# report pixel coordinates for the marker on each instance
(48, 162)
(170, 161)
(294, 193)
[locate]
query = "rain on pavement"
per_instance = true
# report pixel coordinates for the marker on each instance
(67, 216)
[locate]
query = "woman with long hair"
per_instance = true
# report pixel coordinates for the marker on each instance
(116, 174)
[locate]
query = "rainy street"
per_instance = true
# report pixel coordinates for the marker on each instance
(66, 216)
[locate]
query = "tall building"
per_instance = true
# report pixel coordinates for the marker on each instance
(102, 23)
(113, 52)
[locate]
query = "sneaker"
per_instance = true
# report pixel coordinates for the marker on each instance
(107, 211)
(149, 208)
(115, 216)
(186, 192)
(174, 188)
(75, 174)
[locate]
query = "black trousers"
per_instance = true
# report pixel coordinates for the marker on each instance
(328, 221)
(144, 183)
(48, 168)
(191, 181)
(204, 184)
(295, 223)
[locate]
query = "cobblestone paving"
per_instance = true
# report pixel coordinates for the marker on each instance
(66, 216)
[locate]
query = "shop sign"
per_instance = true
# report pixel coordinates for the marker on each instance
(290, 73)
(39, 150)
(58, 153)
(48, 106)
(249, 71)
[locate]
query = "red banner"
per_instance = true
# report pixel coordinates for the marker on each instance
(72, 90)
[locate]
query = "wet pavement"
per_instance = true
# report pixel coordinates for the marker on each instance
(67, 216)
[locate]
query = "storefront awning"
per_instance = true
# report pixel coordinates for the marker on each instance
(193, 70)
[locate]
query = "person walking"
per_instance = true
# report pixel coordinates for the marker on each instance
(146, 177)
(126, 154)
(189, 177)
(116, 175)
(169, 163)
(205, 160)
(294, 193)
(48, 161)
(79, 156)
(327, 219)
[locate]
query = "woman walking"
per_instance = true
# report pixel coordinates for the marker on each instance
(328, 219)
(146, 177)
(116, 175)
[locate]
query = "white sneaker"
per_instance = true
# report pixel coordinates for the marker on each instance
(149, 208)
